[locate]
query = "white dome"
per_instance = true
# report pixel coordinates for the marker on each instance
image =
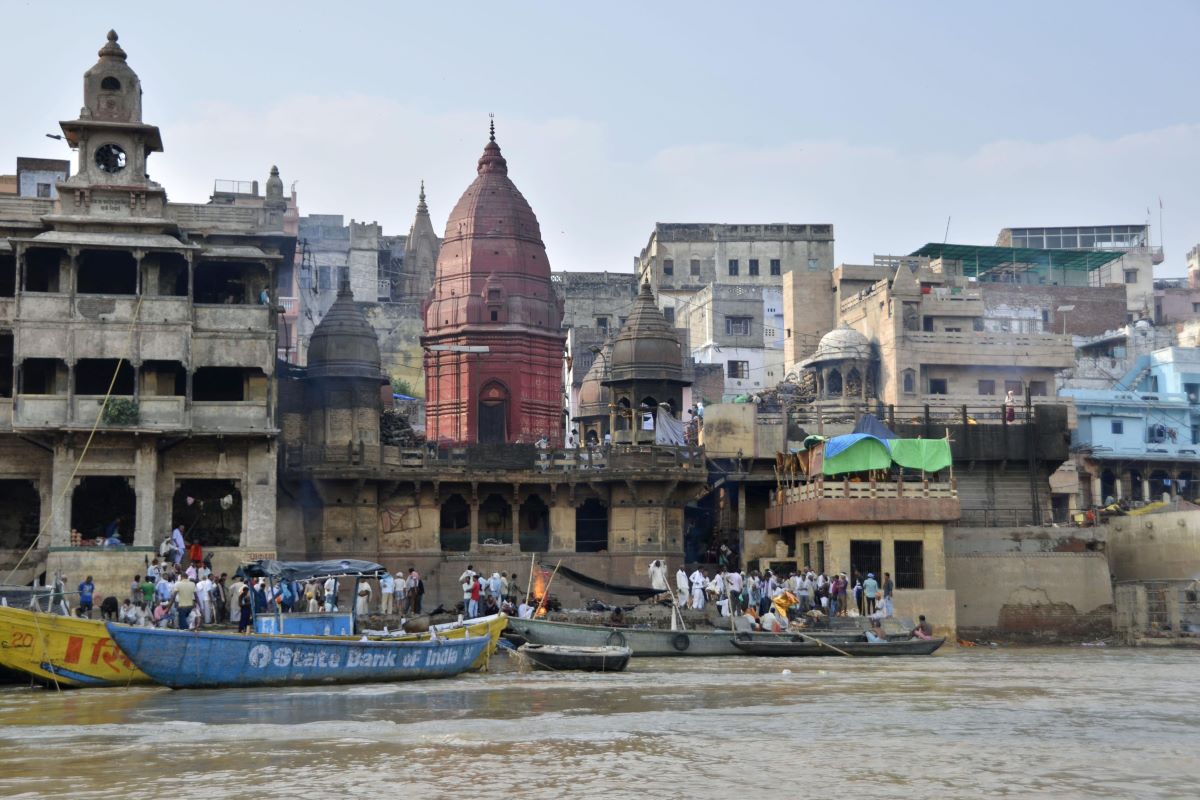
(842, 343)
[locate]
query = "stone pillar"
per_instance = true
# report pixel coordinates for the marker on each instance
(258, 498)
(145, 472)
(741, 512)
(562, 527)
(59, 505)
(1119, 486)
(474, 546)
(1097, 490)
(1146, 497)
(516, 522)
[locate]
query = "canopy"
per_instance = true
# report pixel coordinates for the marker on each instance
(640, 592)
(668, 430)
(304, 570)
(869, 423)
(930, 455)
(855, 452)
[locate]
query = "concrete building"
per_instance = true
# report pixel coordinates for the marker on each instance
(739, 328)
(1175, 300)
(36, 177)
(1133, 268)
(600, 300)
(148, 324)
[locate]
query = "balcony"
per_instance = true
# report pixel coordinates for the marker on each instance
(8, 309)
(240, 318)
(230, 417)
(981, 348)
(40, 411)
(827, 500)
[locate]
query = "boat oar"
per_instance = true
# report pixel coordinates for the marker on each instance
(837, 650)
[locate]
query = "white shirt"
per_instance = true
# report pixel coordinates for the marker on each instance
(658, 576)
(330, 586)
(698, 580)
(681, 580)
(735, 582)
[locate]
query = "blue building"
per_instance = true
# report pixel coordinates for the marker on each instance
(1140, 439)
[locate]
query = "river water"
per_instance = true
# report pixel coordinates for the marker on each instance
(1053, 722)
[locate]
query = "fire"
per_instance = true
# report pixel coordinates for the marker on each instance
(540, 579)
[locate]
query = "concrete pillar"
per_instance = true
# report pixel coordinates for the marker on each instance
(1146, 497)
(474, 546)
(516, 521)
(1119, 487)
(145, 471)
(1097, 490)
(59, 505)
(562, 527)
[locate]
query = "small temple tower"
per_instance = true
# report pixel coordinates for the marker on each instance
(645, 369)
(493, 324)
(420, 253)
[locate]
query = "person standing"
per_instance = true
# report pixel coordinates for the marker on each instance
(363, 607)
(330, 594)
(870, 589)
(178, 546)
(658, 576)
(135, 589)
(87, 591)
(387, 593)
(245, 604)
(235, 599)
(1010, 406)
(467, 581)
(184, 596)
(416, 589)
(698, 580)
(204, 600)
(681, 587)
(146, 591)
(474, 591)
(887, 594)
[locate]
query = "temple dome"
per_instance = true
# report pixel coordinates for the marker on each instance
(593, 394)
(841, 343)
(646, 348)
(344, 344)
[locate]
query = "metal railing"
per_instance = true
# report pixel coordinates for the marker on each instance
(649, 458)
(831, 489)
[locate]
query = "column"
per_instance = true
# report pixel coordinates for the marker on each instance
(1097, 490)
(59, 507)
(1119, 487)
(516, 522)
(474, 546)
(145, 473)
(1146, 496)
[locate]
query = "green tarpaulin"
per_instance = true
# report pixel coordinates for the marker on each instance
(866, 454)
(930, 455)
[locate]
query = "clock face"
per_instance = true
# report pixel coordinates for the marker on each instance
(110, 158)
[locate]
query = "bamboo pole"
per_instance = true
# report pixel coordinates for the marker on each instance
(529, 586)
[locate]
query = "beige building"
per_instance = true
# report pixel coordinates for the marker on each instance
(148, 324)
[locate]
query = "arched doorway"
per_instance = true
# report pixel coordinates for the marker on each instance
(455, 524)
(211, 510)
(1108, 487)
(649, 408)
(493, 414)
(495, 521)
(623, 414)
(591, 527)
(833, 383)
(535, 526)
(99, 501)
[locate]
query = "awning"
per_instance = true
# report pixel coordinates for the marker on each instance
(146, 241)
(855, 452)
(304, 570)
(238, 252)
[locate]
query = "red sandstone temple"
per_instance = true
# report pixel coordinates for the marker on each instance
(493, 324)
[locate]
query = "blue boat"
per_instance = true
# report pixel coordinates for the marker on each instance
(187, 660)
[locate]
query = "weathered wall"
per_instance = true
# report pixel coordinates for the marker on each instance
(808, 313)
(1096, 308)
(399, 326)
(1042, 596)
(1155, 546)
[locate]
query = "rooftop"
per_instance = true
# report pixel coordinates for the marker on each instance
(980, 260)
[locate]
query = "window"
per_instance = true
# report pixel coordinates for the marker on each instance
(987, 387)
(754, 266)
(695, 266)
(910, 382)
(733, 266)
(43, 190)
(110, 84)
(343, 277)
(1013, 386)
(1117, 427)
(1045, 317)
(669, 314)
(814, 264)
(323, 280)
(910, 565)
(738, 369)
(602, 323)
(938, 386)
(668, 266)
(737, 326)
(776, 268)
(768, 333)
(1131, 276)
(621, 321)
(1037, 388)
(953, 330)
(495, 315)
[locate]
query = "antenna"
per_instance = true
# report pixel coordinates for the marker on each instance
(946, 237)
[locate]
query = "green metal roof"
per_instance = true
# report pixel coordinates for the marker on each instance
(979, 260)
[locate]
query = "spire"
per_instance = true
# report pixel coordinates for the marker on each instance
(111, 49)
(421, 207)
(491, 127)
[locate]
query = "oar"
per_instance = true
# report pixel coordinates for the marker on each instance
(826, 644)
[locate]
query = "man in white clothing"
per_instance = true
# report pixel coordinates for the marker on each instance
(699, 580)
(364, 599)
(330, 594)
(658, 576)
(387, 587)
(681, 587)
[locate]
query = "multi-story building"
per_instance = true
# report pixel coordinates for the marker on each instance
(36, 177)
(137, 341)
(600, 300)
(1132, 269)
(741, 329)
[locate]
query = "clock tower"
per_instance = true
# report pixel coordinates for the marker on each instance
(113, 145)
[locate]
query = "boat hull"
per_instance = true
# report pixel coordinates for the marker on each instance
(490, 626)
(641, 642)
(585, 659)
(796, 646)
(186, 660)
(63, 651)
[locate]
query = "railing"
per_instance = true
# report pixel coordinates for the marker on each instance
(288, 304)
(648, 458)
(832, 489)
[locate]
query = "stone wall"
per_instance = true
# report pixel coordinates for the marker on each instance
(1032, 596)
(1096, 308)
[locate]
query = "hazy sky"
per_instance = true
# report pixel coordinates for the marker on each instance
(883, 119)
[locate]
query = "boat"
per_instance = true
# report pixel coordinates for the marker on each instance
(490, 626)
(796, 645)
(197, 660)
(55, 650)
(586, 659)
(640, 641)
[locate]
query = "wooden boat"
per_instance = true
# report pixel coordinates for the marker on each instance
(586, 659)
(190, 660)
(795, 645)
(63, 651)
(490, 626)
(640, 641)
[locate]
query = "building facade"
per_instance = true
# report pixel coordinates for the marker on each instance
(150, 324)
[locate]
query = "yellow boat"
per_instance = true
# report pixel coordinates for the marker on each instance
(491, 626)
(63, 651)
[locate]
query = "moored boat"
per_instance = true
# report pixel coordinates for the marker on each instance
(793, 645)
(190, 660)
(63, 651)
(490, 626)
(586, 659)
(640, 641)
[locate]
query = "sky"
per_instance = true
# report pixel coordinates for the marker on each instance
(891, 121)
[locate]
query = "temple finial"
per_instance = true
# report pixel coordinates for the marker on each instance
(492, 127)
(421, 207)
